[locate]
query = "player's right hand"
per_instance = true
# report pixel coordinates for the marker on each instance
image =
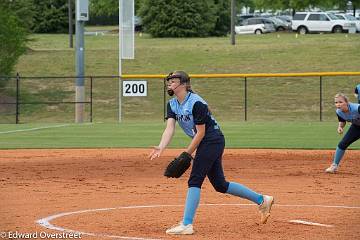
(340, 130)
(156, 152)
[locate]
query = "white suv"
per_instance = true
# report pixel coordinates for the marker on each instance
(305, 22)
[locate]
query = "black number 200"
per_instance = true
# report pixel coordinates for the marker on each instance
(134, 88)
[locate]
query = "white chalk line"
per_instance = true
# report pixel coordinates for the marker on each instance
(311, 223)
(40, 128)
(45, 222)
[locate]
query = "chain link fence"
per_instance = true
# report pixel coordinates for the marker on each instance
(232, 99)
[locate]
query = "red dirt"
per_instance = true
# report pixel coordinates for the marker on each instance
(38, 183)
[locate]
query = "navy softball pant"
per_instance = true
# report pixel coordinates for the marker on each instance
(207, 162)
(351, 136)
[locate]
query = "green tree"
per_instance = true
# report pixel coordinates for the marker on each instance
(23, 9)
(323, 4)
(298, 5)
(214, 18)
(173, 18)
(342, 4)
(356, 5)
(109, 7)
(104, 7)
(13, 37)
(222, 18)
(51, 16)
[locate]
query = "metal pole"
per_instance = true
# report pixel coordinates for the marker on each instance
(321, 100)
(164, 93)
(245, 96)
(233, 14)
(17, 98)
(70, 24)
(120, 55)
(91, 99)
(80, 91)
(354, 10)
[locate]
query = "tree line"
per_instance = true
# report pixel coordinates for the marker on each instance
(160, 18)
(51, 16)
(201, 18)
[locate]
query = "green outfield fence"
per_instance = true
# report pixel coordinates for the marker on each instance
(232, 97)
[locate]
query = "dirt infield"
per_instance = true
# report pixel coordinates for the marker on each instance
(125, 196)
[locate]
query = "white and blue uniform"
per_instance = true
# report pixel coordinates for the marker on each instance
(353, 116)
(357, 91)
(208, 158)
(194, 111)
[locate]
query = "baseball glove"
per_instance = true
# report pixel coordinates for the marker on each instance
(178, 166)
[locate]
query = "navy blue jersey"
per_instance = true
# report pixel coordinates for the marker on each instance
(353, 115)
(194, 111)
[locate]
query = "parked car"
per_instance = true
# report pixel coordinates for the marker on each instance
(305, 22)
(242, 17)
(255, 25)
(350, 18)
(285, 18)
(279, 24)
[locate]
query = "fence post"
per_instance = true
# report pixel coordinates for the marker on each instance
(245, 98)
(17, 98)
(120, 99)
(164, 81)
(91, 98)
(321, 101)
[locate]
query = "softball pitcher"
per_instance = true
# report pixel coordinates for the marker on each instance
(194, 117)
(346, 112)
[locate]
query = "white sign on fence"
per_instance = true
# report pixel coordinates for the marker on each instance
(134, 88)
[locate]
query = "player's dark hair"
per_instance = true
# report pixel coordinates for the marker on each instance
(183, 76)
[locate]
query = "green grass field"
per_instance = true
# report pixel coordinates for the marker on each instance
(269, 53)
(104, 135)
(283, 99)
(282, 112)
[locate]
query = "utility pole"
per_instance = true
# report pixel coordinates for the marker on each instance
(70, 24)
(232, 30)
(82, 15)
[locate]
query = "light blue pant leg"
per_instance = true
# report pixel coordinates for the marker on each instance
(191, 204)
(339, 153)
(244, 192)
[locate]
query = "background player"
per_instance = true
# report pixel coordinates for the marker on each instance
(346, 111)
(196, 120)
(357, 92)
